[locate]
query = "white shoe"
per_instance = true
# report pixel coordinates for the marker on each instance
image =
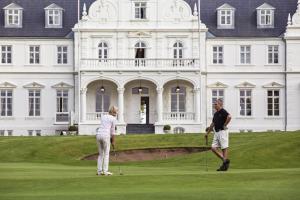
(108, 173)
(100, 174)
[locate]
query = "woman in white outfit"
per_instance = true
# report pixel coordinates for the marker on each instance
(106, 135)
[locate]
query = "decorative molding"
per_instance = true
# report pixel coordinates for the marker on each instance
(245, 85)
(265, 6)
(7, 85)
(62, 85)
(13, 6)
(139, 34)
(226, 6)
(273, 85)
(53, 6)
(34, 85)
(217, 85)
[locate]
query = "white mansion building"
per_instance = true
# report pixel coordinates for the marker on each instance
(156, 60)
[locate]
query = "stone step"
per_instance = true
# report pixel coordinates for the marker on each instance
(140, 128)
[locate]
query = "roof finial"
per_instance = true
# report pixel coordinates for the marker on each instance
(289, 20)
(195, 10)
(84, 13)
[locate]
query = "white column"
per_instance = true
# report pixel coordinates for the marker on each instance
(159, 104)
(121, 104)
(197, 93)
(83, 92)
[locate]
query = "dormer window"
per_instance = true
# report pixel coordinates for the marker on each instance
(140, 10)
(265, 16)
(53, 16)
(13, 16)
(226, 15)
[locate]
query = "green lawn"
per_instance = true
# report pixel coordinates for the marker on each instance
(264, 166)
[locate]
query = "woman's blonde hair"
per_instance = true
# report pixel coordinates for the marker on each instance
(113, 110)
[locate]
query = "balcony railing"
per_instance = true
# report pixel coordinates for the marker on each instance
(139, 64)
(95, 116)
(62, 117)
(178, 116)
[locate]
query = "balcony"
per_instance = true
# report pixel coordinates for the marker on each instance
(140, 64)
(178, 116)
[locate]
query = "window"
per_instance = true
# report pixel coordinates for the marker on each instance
(6, 103)
(6, 54)
(62, 55)
(13, 16)
(140, 54)
(102, 101)
(178, 99)
(245, 55)
(9, 132)
(178, 54)
(2, 132)
(217, 54)
(245, 102)
(34, 102)
(34, 54)
(140, 10)
(265, 16)
(273, 102)
(273, 54)
(103, 51)
(216, 94)
(30, 132)
(53, 16)
(226, 16)
(62, 105)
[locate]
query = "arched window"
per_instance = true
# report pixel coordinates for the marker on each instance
(178, 99)
(140, 53)
(102, 100)
(103, 51)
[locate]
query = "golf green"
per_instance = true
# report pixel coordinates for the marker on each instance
(264, 166)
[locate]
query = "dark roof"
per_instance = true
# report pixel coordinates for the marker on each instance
(245, 19)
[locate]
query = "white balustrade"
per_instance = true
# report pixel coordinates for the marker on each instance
(132, 64)
(178, 116)
(95, 116)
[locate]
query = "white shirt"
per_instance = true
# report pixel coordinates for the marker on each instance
(107, 126)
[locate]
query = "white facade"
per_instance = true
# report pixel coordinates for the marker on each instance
(160, 66)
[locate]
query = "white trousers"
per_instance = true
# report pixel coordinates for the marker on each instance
(103, 142)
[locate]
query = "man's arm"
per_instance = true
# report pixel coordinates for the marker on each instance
(228, 119)
(112, 133)
(210, 128)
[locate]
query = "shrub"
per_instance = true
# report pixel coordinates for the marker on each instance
(167, 127)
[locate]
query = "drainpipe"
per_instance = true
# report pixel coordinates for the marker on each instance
(285, 87)
(78, 65)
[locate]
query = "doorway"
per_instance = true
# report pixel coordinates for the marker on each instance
(144, 111)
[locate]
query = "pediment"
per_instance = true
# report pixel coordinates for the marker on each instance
(34, 85)
(273, 85)
(53, 6)
(217, 85)
(265, 6)
(103, 11)
(62, 85)
(245, 85)
(13, 6)
(226, 6)
(7, 85)
(178, 10)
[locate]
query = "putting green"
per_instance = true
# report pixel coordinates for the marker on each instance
(264, 166)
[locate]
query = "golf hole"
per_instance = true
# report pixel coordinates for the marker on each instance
(148, 154)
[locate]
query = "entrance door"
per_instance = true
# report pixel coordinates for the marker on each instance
(144, 112)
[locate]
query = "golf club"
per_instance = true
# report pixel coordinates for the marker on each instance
(115, 153)
(206, 144)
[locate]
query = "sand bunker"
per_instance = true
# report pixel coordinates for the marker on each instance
(148, 154)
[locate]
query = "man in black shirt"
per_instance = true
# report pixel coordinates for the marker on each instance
(221, 139)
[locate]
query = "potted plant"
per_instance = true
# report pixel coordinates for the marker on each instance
(167, 128)
(73, 130)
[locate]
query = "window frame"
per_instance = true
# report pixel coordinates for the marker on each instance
(245, 97)
(138, 9)
(219, 55)
(35, 55)
(62, 55)
(11, 17)
(6, 97)
(272, 53)
(7, 53)
(36, 112)
(183, 93)
(273, 97)
(62, 98)
(244, 53)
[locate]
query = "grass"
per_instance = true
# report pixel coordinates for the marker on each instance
(264, 166)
